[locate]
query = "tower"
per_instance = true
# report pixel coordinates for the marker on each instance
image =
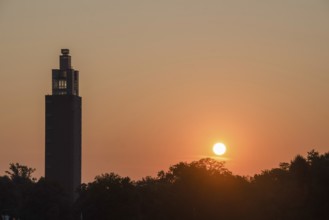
(63, 127)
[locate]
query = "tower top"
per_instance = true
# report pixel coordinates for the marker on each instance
(65, 51)
(65, 80)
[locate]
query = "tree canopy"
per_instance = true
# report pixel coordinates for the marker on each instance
(202, 189)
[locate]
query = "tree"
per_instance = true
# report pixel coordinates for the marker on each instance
(20, 173)
(46, 200)
(22, 197)
(109, 197)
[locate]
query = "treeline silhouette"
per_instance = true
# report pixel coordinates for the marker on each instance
(203, 189)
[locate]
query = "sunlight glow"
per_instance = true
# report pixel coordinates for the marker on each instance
(219, 148)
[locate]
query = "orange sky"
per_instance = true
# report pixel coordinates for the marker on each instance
(162, 81)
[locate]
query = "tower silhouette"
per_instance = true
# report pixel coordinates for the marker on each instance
(63, 127)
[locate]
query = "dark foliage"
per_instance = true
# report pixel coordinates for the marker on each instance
(109, 197)
(203, 189)
(22, 197)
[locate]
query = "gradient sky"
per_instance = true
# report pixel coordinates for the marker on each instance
(162, 81)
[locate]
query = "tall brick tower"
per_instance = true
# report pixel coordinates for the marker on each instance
(63, 127)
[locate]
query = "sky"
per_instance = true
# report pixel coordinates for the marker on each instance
(162, 81)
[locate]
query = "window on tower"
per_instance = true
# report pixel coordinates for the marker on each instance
(62, 84)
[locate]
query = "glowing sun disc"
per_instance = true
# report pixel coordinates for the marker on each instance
(219, 149)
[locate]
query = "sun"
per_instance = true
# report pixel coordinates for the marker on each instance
(219, 149)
